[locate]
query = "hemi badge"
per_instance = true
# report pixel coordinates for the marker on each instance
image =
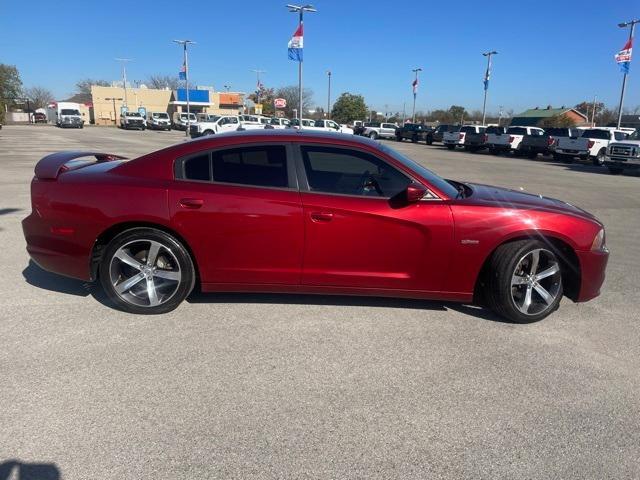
(469, 242)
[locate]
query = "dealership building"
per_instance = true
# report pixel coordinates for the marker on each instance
(109, 102)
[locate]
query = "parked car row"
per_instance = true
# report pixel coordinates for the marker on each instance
(618, 149)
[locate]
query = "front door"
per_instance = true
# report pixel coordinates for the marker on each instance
(240, 212)
(358, 233)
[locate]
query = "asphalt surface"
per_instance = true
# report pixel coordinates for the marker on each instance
(276, 386)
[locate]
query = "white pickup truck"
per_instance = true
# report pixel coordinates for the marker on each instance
(592, 145)
(510, 141)
(130, 120)
(215, 124)
(278, 123)
(380, 130)
(624, 155)
(254, 122)
(329, 126)
(459, 138)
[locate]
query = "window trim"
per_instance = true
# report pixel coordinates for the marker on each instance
(303, 181)
(292, 179)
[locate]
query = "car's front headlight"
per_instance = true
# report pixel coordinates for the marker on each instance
(599, 241)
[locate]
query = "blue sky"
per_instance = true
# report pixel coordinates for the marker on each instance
(550, 52)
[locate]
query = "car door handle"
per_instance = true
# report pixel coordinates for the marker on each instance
(191, 203)
(321, 216)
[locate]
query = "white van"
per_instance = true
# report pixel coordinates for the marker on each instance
(158, 121)
(180, 120)
(65, 115)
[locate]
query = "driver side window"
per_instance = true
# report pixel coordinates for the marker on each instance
(351, 172)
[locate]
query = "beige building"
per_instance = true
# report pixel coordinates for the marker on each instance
(108, 102)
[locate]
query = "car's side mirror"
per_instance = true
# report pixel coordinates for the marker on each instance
(415, 192)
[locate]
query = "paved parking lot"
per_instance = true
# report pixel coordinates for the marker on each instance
(274, 386)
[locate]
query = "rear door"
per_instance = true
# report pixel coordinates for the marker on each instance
(359, 233)
(239, 210)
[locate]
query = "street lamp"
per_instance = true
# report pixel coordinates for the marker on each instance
(184, 44)
(329, 95)
(632, 24)
(124, 61)
(258, 85)
(415, 92)
(227, 87)
(300, 9)
(487, 75)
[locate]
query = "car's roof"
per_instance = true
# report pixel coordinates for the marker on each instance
(290, 134)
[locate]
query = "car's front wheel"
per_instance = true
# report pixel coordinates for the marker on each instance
(525, 281)
(373, 135)
(599, 159)
(146, 271)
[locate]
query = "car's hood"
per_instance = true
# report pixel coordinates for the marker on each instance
(505, 198)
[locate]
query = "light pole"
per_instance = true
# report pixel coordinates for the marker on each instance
(415, 92)
(300, 9)
(631, 24)
(258, 84)
(227, 87)
(329, 95)
(184, 44)
(487, 76)
(124, 61)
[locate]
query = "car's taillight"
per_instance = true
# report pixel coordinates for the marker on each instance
(590, 143)
(511, 139)
(460, 136)
(550, 141)
(485, 138)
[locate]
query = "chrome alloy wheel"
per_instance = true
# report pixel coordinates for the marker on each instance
(145, 273)
(536, 282)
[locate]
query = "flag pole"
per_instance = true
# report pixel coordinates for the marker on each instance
(415, 93)
(626, 72)
(300, 9)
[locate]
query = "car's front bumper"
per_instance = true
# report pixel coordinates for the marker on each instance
(592, 273)
(623, 162)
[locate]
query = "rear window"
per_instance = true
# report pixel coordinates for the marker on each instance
(260, 166)
(595, 133)
(469, 129)
(517, 131)
(68, 111)
(198, 168)
(496, 130)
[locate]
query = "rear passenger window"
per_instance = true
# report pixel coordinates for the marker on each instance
(260, 166)
(198, 168)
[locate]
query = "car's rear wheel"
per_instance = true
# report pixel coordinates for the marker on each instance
(525, 281)
(146, 271)
(414, 139)
(399, 138)
(373, 135)
(429, 140)
(451, 147)
(615, 170)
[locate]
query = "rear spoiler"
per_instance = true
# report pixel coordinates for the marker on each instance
(53, 165)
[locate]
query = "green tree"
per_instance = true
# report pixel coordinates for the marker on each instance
(557, 121)
(458, 113)
(266, 99)
(10, 86)
(349, 107)
(161, 82)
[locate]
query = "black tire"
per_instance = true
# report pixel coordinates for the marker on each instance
(208, 132)
(532, 155)
(429, 140)
(499, 290)
(414, 139)
(615, 170)
(493, 151)
(399, 138)
(450, 147)
(563, 158)
(373, 135)
(173, 254)
(599, 159)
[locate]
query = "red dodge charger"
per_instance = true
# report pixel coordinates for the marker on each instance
(308, 212)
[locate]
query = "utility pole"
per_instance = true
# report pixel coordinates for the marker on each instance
(329, 95)
(124, 61)
(487, 76)
(593, 111)
(631, 24)
(185, 56)
(115, 113)
(415, 92)
(404, 112)
(300, 9)
(258, 84)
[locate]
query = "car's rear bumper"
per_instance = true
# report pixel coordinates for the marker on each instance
(54, 249)
(593, 265)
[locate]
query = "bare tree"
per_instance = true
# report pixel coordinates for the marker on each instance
(39, 97)
(162, 82)
(84, 86)
(290, 94)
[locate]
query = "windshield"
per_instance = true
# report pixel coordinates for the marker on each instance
(160, 115)
(69, 111)
(634, 136)
(435, 180)
(132, 114)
